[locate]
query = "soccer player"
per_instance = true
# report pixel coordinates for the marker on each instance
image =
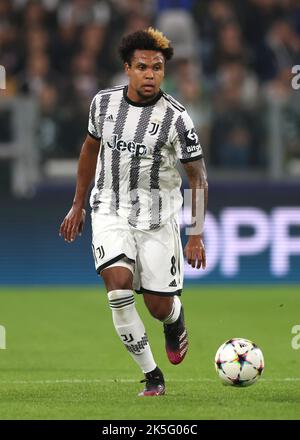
(136, 133)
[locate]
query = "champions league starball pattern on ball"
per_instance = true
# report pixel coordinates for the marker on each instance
(239, 362)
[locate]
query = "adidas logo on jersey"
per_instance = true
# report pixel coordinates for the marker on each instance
(173, 284)
(133, 148)
(110, 118)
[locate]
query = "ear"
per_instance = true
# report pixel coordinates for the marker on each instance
(126, 68)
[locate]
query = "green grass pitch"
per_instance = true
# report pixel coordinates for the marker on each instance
(64, 360)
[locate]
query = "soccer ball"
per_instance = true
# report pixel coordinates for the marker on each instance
(239, 362)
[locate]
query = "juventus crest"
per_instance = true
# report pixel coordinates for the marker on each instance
(154, 128)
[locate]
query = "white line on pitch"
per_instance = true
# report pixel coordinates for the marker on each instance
(91, 381)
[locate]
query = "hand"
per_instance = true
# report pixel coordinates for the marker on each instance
(72, 224)
(194, 252)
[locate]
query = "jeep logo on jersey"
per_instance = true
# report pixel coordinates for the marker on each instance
(191, 138)
(134, 148)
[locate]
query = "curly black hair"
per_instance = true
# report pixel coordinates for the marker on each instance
(149, 39)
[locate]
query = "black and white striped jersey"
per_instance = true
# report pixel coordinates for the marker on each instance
(136, 176)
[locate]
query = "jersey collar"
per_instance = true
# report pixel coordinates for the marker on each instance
(139, 104)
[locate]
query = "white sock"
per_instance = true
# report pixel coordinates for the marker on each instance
(175, 312)
(130, 328)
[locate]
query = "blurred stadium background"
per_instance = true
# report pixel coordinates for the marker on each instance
(233, 70)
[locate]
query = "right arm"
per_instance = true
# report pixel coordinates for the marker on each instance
(73, 222)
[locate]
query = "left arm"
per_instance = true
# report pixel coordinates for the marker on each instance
(197, 177)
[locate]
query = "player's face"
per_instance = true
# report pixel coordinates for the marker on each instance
(145, 73)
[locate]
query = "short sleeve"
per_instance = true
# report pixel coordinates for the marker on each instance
(93, 128)
(185, 141)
